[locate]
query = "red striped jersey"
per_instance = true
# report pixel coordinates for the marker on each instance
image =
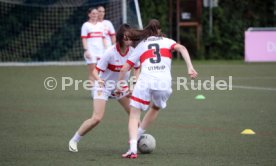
(94, 33)
(109, 31)
(155, 56)
(111, 63)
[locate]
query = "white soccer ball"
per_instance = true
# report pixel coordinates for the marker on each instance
(146, 143)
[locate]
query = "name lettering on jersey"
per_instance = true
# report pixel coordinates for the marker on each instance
(156, 68)
(154, 39)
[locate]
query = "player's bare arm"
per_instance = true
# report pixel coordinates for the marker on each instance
(105, 43)
(191, 71)
(136, 73)
(85, 47)
(123, 71)
(126, 67)
(113, 39)
(97, 77)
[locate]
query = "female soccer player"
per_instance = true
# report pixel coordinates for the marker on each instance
(106, 75)
(93, 41)
(154, 82)
(108, 27)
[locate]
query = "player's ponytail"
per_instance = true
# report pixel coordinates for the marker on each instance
(152, 29)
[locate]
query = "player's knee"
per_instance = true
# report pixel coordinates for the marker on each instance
(96, 120)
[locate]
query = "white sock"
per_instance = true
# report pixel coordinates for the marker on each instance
(76, 137)
(133, 146)
(140, 132)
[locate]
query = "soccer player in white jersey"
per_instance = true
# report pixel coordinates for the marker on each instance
(108, 27)
(106, 74)
(93, 41)
(154, 82)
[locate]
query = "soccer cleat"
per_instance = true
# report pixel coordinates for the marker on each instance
(73, 146)
(130, 155)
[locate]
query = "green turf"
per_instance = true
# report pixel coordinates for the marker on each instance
(36, 124)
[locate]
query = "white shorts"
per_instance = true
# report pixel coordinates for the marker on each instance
(105, 93)
(141, 98)
(91, 59)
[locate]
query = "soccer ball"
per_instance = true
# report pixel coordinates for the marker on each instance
(146, 143)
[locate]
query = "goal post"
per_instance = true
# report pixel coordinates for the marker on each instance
(46, 31)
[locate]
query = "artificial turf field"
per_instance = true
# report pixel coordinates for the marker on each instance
(36, 124)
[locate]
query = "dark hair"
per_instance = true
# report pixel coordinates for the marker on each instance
(152, 29)
(100, 6)
(90, 9)
(120, 34)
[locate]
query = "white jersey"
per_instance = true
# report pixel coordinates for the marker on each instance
(111, 63)
(155, 56)
(94, 33)
(109, 31)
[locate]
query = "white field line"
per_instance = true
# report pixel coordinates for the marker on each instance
(240, 78)
(65, 63)
(240, 87)
(253, 88)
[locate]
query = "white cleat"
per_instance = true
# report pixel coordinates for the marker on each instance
(73, 146)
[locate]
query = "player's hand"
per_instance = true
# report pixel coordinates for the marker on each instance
(101, 83)
(118, 92)
(86, 54)
(192, 73)
(129, 93)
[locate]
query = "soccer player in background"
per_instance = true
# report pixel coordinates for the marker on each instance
(108, 27)
(106, 76)
(154, 82)
(93, 41)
